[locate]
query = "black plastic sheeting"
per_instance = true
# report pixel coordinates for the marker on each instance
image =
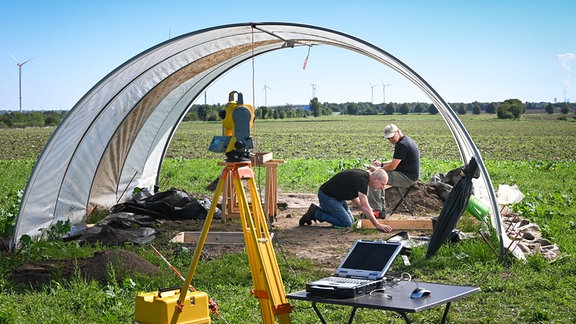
(173, 204)
(135, 221)
(454, 207)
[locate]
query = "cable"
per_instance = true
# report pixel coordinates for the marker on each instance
(404, 277)
(279, 244)
(381, 290)
(254, 137)
(408, 275)
(255, 144)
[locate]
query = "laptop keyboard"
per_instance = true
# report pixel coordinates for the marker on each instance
(347, 280)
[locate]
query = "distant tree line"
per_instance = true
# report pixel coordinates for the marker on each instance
(18, 119)
(508, 109)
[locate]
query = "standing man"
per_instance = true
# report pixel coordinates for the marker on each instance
(403, 171)
(346, 185)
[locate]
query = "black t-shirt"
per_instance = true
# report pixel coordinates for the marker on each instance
(407, 151)
(346, 184)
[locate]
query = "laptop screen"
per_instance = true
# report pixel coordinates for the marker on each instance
(369, 259)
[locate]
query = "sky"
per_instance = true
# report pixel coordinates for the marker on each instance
(486, 51)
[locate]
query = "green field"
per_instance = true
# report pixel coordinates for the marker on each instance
(536, 153)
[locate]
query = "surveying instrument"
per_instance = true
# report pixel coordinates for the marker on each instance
(237, 120)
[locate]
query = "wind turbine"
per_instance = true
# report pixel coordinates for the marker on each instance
(384, 90)
(372, 88)
(19, 64)
(266, 87)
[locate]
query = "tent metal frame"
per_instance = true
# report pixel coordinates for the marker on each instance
(114, 139)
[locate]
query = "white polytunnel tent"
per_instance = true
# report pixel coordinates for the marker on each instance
(115, 138)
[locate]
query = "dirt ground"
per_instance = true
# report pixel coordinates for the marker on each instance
(320, 242)
(327, 245)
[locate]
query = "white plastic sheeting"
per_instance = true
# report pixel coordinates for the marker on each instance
(115, 137)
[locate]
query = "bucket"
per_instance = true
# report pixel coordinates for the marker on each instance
(477, 208)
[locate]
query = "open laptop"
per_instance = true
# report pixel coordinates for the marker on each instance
(362, 270)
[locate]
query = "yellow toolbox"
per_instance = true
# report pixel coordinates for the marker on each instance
(158, 307)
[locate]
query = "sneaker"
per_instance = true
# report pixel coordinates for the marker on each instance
(309, 216)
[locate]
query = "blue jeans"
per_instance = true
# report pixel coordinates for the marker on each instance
(333, 211)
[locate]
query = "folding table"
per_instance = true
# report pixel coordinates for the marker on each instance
(395, 298)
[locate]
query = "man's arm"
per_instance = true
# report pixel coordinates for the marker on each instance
(388, 166)
(367, 210)
(356, 202)
(392, 165)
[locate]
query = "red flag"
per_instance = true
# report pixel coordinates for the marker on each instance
(306, 60)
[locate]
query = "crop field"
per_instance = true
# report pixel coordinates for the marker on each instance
(532, 138)
(537, 153)
(349, 137)
(535, 143)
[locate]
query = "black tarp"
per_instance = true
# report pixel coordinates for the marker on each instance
(172, 204)
(135, 221)
(453, 209)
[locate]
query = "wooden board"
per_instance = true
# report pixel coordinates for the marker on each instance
(260, 157)
(399, 223)
(212, 238)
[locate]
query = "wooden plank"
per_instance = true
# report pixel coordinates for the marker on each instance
(399, 223)
(261, 157)
(211, 238)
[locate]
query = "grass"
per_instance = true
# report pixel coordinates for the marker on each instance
(537, 154)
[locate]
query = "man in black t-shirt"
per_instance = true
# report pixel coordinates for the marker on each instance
(346, 185)
(403, 171)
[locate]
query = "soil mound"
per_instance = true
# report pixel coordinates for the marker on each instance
(124, 263)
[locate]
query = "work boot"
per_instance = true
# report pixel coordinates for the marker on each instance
(309, 216)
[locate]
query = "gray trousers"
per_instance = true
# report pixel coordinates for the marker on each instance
(376, 198)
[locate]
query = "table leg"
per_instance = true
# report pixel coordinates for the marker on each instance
(405, 317)
(318, 313)
(445, 317)
(352, 315)
(350, 320)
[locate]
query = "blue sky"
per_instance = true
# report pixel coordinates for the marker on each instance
(466, 50)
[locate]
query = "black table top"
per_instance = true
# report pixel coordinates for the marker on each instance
(397, 297)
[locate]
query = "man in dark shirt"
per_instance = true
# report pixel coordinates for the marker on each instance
(346, 185)
(403, 171)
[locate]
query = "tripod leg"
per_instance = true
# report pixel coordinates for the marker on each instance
(200, 244)
(268, 284)
(268, 261)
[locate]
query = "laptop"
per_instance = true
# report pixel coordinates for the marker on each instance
(362, 270)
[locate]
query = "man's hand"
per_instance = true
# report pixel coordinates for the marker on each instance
(365, 208)
(384, 228)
